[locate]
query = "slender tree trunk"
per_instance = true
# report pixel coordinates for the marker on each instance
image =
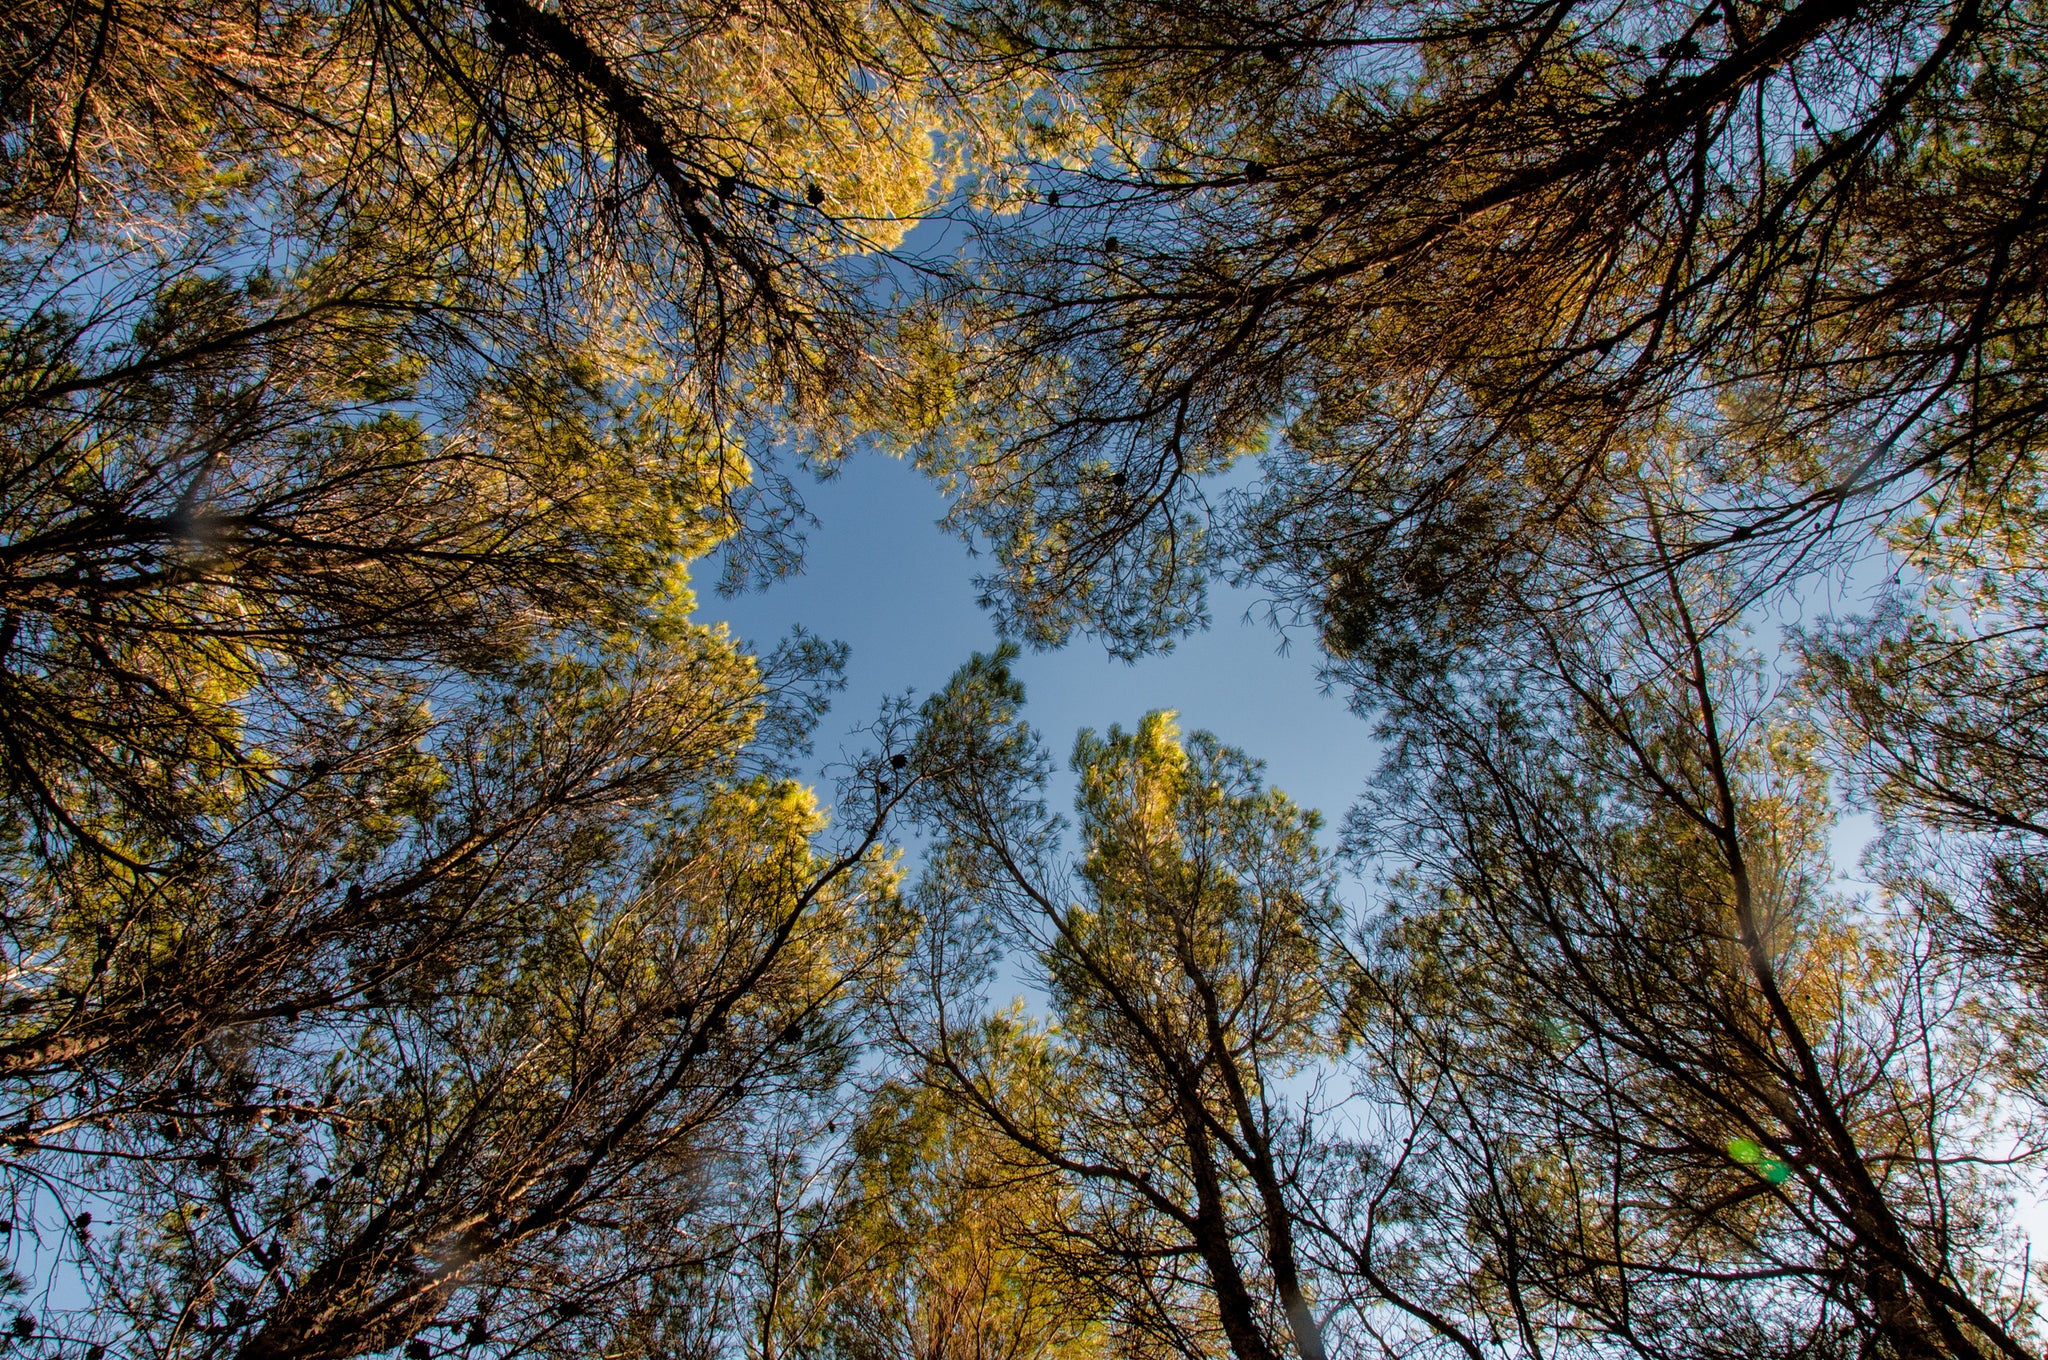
(1235, 1307)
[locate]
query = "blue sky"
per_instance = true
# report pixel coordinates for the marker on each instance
(881, 576)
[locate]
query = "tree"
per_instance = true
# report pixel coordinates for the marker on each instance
(1691, 1101)
(689, 172)
(1458, 272)
(369, 377)
(1568, 356)
(1616, 1072)
(374, 337)
(1187, 986)
(1935, 705)
(211, 557)
(394, 870)
(926, 1250)
(497, 1076)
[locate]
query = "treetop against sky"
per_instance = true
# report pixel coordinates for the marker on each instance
(427, 930)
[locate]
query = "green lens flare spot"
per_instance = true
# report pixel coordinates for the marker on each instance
(1751, 1155)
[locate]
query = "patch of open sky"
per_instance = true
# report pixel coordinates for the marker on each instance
(882, 576)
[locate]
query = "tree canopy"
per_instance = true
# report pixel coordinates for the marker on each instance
(417, 936)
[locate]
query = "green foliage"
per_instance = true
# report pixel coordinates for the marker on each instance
(1189, 980)
(1460, 274)
(408, 922)
(927, 1250)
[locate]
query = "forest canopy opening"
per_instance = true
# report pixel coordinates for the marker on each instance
(418, 936)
